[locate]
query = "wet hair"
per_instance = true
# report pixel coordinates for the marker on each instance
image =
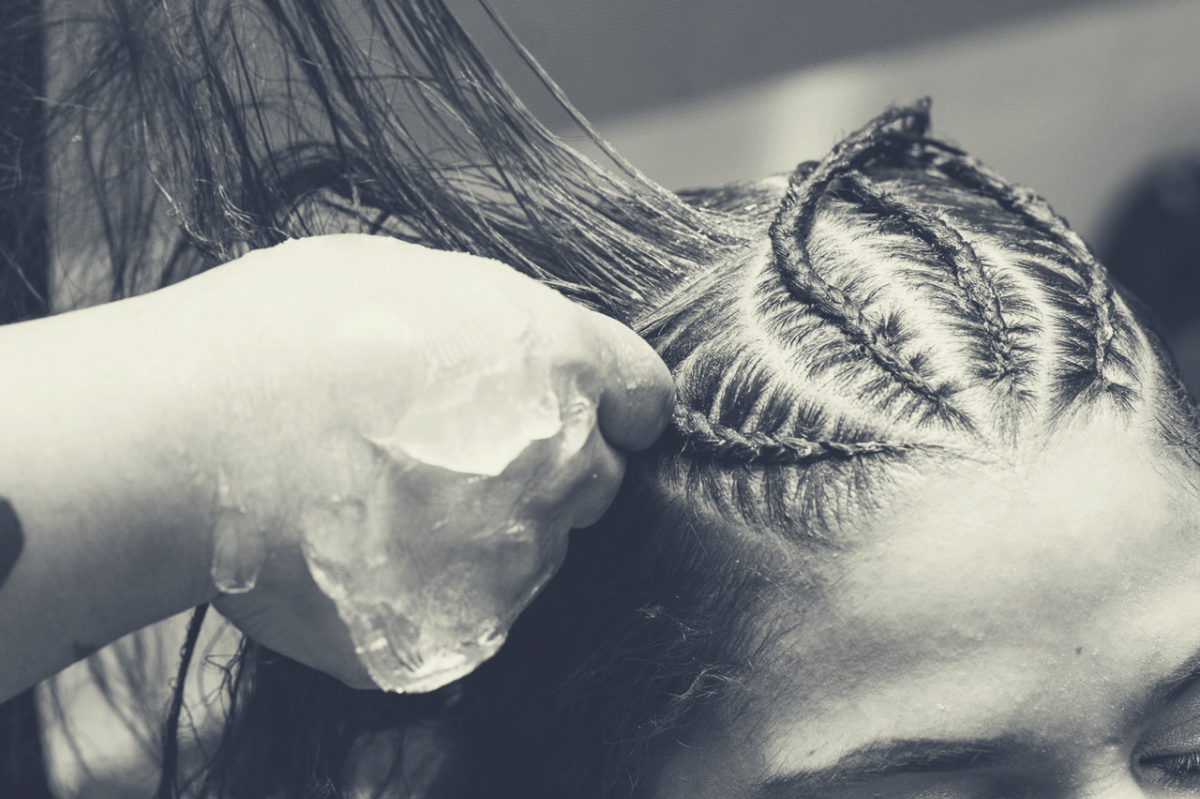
(203, 130)
(889, 310)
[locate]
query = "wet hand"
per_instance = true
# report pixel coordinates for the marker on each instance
(400, 442)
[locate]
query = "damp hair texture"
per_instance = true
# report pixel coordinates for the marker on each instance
(888, 310)
(205, 129)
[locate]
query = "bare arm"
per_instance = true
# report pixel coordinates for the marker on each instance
(281, 390)
(106, 524)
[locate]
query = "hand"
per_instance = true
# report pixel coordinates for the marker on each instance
(418, 431)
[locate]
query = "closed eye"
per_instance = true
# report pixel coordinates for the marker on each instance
(1173, 771)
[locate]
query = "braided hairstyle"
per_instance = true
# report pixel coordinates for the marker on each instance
(1034, 325)
(905, 308)
(890, 309)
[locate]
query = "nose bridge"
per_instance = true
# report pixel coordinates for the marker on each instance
(1115, 780)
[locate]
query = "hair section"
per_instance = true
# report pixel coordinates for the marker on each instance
(204, 129)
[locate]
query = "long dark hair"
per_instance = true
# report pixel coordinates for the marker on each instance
(886, 310)
(206, 129)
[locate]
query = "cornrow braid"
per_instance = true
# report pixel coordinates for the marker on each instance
(704, 437)
(789, 236)
(956, 253)
(1098, 290)
(789, 443)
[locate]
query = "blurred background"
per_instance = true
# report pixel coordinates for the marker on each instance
(1072, 97)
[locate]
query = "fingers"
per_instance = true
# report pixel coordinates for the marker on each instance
(575, 491)
(591, 500)
(638, 394)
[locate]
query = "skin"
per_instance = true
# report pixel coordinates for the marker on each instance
(1048, 606)
(271, 375)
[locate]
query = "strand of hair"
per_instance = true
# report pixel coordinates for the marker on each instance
(955, 252)
(789, 236)
(1027, 203)
(703, 436)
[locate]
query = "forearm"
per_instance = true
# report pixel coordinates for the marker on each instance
(111, 501)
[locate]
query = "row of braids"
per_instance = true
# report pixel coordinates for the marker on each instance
(1003, 357)
(903, 310)
(961, 259)
(789, 236)
(1098, 289)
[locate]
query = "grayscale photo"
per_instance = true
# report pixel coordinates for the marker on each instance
(569, 399)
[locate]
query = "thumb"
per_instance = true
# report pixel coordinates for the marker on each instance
(637, 392)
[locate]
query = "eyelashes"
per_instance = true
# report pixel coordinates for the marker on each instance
(1189, 762)
(1178, 772)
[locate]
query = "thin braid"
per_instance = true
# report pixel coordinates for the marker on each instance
(789, 237)
(1099, 292)
(956, 252)
(703, 436)
(789, 232)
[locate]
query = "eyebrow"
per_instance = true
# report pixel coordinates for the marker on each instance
(890, 758)
(1177, 682)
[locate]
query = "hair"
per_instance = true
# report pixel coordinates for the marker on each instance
(889, 310)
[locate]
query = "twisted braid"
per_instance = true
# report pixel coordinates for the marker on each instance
(705, 437)
(956, 253)
(898, 139)
(789, 233)
(1097, 290)
(789, 236)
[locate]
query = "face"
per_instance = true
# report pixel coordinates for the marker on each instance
(1026, 630)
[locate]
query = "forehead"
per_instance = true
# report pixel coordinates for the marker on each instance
(1039, 598)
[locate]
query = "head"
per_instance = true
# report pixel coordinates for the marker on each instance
(923, 516)
(1025, 629)
(926, 518)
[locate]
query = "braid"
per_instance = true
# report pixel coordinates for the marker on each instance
(1098, 290)
(956, 253)
(789, 235)
(705, 437)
